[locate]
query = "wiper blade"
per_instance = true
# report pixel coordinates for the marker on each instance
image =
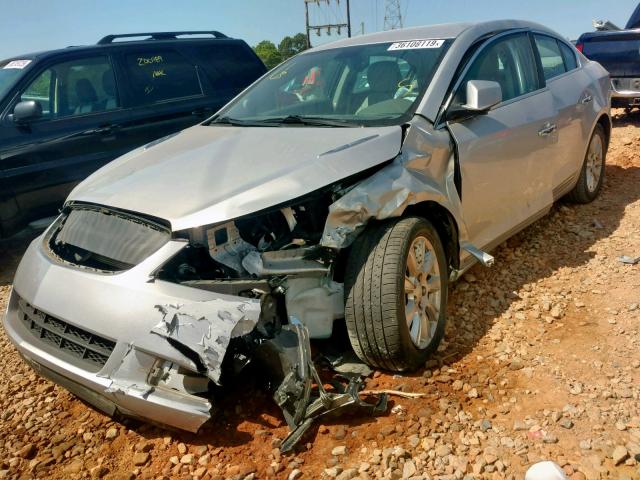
(237, 122)
(314, 121)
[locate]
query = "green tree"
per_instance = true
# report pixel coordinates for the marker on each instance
(290, 46)
(268, 53)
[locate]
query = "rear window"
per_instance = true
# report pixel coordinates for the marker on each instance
(550, 56)
(230, 68)
(161, 75)
(569, 56)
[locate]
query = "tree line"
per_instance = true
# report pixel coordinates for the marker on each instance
(288, 47)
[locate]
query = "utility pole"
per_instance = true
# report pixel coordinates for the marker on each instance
(329, 27)
(392, 15)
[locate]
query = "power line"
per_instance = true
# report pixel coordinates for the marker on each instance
(330, 24)
(392, 15)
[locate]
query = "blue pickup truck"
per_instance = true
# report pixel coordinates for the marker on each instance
(619, 52)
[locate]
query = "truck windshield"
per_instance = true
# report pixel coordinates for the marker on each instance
(364, 85)
(10, 71)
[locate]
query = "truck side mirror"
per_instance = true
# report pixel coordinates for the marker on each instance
(27, 111)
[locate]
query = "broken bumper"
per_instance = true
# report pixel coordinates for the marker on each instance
(91, 333)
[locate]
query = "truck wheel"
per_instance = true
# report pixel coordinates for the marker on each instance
(396, 293)
(592, 174)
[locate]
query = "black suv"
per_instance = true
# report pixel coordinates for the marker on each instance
(65, 113)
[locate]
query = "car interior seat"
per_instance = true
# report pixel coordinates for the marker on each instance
(87, 96)
(109, 87)
(383, 78)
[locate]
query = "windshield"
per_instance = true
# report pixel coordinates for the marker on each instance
(10, 71)
(371, 85)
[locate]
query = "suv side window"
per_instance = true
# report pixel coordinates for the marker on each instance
(508, 61)
(229, 67)
(76, 87)
(550, 56)
(161, 75)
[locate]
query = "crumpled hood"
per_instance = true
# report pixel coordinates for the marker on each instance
(210, 174)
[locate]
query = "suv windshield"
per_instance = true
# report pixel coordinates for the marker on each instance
(376, 84)
(10, 71)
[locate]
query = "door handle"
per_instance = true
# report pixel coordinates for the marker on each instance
(547, 129)
(105, 129)
(586, 99)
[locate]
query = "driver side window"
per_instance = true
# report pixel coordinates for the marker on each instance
(509, 62)
(76, 87)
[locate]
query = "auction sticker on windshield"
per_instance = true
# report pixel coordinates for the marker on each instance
(20, 64)
(414, 44)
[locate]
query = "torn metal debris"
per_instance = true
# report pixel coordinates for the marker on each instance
(206, 328)
(300, 392)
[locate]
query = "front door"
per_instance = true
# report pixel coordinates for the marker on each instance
(505, 155)
(77, 133)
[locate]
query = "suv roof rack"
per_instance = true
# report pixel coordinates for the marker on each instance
(159, 35)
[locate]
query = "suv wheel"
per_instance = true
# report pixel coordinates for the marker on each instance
(396, 293)
(592, 174)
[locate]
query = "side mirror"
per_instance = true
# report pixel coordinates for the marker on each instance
(27, 111)
(482, 95)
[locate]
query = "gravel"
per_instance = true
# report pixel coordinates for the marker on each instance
(540, 361)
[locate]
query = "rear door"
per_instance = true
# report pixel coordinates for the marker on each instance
(505, 155)
(573, 95)
(164, 92)
(46, 158)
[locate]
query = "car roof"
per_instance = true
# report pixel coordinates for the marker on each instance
(439, 31)
(106, 47)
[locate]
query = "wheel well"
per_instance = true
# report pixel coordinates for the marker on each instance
(605, 122)
(445, 225)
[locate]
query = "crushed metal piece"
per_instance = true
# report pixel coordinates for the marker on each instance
(227, 247)
(207, 327)
(483, 257)
(348, 364)
(629, 260)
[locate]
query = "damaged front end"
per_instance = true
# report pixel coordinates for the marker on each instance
(184, 309)
(274, 261)
(216, 299)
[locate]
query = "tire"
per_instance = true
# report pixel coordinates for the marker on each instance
(376, 299)
(592, 172)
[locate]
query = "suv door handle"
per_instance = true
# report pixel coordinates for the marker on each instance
(105, 129)
(586, 99)
(547, 129)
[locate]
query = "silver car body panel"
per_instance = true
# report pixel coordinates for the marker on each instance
(423, 172)
(493, 174)
(207, 175)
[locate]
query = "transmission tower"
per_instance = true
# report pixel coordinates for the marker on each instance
(338, 24)
(392, 15)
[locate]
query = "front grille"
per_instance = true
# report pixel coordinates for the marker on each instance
(91, 351)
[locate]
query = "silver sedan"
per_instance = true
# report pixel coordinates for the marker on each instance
(353, 182)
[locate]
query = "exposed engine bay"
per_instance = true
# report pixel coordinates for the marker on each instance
(283, 290)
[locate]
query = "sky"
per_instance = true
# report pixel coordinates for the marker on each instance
(34, 25)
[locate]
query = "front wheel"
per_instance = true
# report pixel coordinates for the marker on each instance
(592, 173)
(396, 293)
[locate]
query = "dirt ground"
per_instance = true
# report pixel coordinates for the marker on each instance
(541, 362)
